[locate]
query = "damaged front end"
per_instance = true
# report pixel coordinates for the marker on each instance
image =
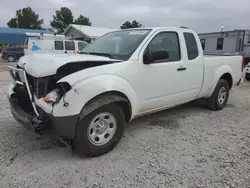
(32, 101)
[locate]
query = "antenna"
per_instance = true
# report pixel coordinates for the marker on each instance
(222, 28)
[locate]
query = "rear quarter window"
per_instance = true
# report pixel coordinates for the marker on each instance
(191, 44)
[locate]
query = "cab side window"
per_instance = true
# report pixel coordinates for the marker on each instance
(192, 48)
(167, 41)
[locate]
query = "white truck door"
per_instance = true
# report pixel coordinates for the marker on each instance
(163, 81)
(193, 74)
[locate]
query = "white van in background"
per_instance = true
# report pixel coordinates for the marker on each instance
(52, 43)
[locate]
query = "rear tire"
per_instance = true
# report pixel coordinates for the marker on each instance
(100, 131)
(11, 58)
(219, 98)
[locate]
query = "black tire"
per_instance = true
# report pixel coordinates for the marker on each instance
(81, 142)
(11, 58)
(213, 100)
(247, 78)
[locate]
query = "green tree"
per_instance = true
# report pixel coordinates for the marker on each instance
(26, 18)
(62, 19)
(133, 24)
(81, 20)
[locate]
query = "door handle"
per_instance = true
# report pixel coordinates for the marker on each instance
(181, 68)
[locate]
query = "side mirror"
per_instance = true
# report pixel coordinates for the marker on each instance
(155, 56)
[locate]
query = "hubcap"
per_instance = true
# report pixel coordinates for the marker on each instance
(222, 95)
(11, 58)
(102, 129)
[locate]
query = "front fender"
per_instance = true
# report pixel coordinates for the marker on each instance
(88, 88)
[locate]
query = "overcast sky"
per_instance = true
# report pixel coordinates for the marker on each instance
(201, 15)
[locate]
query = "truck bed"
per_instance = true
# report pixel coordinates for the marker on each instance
(214, 64)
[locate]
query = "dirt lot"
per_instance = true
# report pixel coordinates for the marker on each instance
(188, 146)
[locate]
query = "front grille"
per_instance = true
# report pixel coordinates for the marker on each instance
(38, 85)
(31, 81)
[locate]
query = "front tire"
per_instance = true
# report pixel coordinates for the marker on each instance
(100, 131)
(219, 98)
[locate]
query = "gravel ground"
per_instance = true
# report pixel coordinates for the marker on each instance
(188, 146)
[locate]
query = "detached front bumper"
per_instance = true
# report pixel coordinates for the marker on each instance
(63, 126)
(25, 109)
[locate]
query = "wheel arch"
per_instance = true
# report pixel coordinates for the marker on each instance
(228, 77)
(224, 72)
(105, 98)
(11, 55)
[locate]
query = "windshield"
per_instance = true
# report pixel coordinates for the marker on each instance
(117, 45)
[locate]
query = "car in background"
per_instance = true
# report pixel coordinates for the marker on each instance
(52, 43)
(247, 75)
(12, 53)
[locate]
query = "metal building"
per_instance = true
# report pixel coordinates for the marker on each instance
(231, 42)
(16, 36)
(86, 33)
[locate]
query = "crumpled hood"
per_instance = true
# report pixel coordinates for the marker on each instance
(45, 64)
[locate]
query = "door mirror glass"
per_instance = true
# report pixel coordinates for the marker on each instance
(153, 56)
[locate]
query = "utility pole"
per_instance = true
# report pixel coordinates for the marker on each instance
(16, 21)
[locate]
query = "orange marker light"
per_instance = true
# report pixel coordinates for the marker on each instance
(46, 98)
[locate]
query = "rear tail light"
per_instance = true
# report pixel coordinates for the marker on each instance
(26, 44)
(242, 65)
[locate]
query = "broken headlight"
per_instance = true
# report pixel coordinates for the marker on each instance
(55, 95)
(52, 97)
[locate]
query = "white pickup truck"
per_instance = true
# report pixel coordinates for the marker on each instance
(88, 98)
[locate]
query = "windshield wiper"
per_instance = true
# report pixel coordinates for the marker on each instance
(96, 53)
